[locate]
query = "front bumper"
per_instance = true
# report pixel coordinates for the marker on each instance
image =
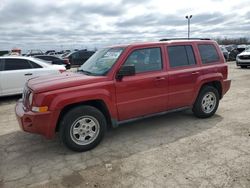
(241, 62)
(38, 123)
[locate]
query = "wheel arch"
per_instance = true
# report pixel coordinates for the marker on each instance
(214, 83)
(97, 103)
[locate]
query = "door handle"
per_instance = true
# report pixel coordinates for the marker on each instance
(193, 73)
(160, 78)
(28, 74)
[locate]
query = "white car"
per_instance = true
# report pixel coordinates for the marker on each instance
(16, 70)
(243, 59)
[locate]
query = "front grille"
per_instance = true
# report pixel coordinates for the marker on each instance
(244, 56)
(25, 97)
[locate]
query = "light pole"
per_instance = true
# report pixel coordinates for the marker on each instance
(189, 18)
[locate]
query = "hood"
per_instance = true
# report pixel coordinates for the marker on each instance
(245, 53)
(64, 80)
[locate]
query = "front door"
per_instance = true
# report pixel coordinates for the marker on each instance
(14, 75)
(145, 92)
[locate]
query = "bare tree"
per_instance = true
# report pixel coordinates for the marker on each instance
(226, 41)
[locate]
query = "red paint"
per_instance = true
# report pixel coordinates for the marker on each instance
(133, 96)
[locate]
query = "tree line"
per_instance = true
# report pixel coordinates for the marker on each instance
(227, 41)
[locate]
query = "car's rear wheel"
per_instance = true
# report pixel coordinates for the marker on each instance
(207, 102)
(82, 128)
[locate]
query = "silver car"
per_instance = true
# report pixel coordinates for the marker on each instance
(243, 59)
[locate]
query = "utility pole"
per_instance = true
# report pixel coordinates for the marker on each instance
(188, 18)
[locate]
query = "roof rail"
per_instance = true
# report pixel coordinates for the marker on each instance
(184, 39)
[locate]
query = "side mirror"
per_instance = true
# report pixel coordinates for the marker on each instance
(125, 70)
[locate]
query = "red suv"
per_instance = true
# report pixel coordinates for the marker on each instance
(123, 83)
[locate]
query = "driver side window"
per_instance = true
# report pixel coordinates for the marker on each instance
(145, 60)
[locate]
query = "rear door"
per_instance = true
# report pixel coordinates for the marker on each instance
(15, 73)
(183, 74)
(145, 92)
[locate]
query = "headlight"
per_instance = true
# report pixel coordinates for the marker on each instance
(30, 99)
(40, 109)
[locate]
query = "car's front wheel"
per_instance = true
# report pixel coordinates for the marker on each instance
(207, 102)
(82, 128)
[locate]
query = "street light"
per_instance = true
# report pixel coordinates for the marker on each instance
(189, 18)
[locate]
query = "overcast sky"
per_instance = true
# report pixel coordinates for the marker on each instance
(63, 24)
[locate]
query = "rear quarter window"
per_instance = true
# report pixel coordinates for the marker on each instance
(208, 53)
(35, 65)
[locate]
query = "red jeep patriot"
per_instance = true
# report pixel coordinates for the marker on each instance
(123, 83)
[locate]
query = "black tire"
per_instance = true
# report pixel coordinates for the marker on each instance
(198, 110)
(71, 120)
(243, 66)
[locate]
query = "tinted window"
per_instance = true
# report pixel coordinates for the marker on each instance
(181, 56)
(52, 58)
(1, 65)
(145, 60)
(208, 53)
(85, 54)
(43, 58)
(35, 65)
(16, 64)
(190, 55)
(76, 55)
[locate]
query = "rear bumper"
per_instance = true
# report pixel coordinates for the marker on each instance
(225, 86)
(38, 123)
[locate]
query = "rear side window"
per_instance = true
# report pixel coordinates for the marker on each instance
(76, 55)
(208, 53)
(52, 58)
(35, 65)
(181, 55)
(16, 64)
(46, 58)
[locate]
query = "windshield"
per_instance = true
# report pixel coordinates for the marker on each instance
(102, 61)
(247, 50)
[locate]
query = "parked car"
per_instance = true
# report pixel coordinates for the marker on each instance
(34, 52)
(65, 54)
(54, 60)
(79, 57)
(125, 83)
(230, 47)
(243, 59)
(16, 70)
(52, 53)
(233, 54)
(225, 52)
(49, 51)
(4, 52)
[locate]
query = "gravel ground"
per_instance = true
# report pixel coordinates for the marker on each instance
(174, 150)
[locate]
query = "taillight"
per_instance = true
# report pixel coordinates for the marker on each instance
(62, 70)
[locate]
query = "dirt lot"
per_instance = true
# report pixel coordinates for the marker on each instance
(175, 150)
